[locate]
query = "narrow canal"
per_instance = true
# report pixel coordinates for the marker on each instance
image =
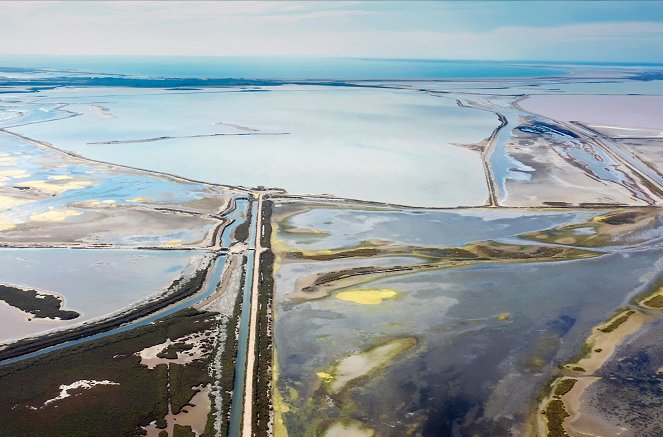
(236, 407)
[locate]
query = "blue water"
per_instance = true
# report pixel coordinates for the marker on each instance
(214, 279)
(282, 68)
(237, 215)
(237, 405)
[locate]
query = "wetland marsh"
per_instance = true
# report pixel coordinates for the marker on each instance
(474, 340)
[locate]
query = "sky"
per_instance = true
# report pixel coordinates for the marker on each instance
(628, 31)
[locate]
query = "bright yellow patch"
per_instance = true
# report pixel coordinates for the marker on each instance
(279, 406)
(326, 377)
(139, 199)
(172, 243)
(366, 297)
(54, 215)
(503, 316)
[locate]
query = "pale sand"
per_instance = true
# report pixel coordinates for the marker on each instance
(139, 199)
(7, 202)
(149, 358)
(14, 174)
(95, 203)
(608, 342)
(557, 180)
(54, 215)
(60, 177)
(55, 187)
(348, 429)
(581, 424)
(361, 364)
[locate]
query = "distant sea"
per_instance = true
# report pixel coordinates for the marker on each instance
(282, 68)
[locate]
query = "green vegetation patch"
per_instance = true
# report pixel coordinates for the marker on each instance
(262, 400)
(241, 232)
(41, 305)
(564, 386)
(170, 352)
(555, 414)
(140, 397)
(655, 302)
(617, 322)
(183, 431)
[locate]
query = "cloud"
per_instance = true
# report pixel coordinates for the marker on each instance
(350, 29)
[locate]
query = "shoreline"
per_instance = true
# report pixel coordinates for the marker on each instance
(20, 349)
(556, 414)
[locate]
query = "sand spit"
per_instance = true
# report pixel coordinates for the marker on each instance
(153, 139)
(560, 413)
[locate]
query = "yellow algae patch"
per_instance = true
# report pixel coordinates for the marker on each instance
(60, 177)
(55, 188)
(503, 316)
(366, 297)
(54, 215)
(139, 199)
(327, 377)
(277, 245)
(279, 406)
(7, 202)
(367, 362)
(172, 242)
(348, 428)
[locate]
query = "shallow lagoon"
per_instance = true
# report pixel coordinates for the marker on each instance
(327, 228)
(374, 144)
(93, 282)
(488, 336)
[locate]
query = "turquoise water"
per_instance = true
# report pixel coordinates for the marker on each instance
(282, 68)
